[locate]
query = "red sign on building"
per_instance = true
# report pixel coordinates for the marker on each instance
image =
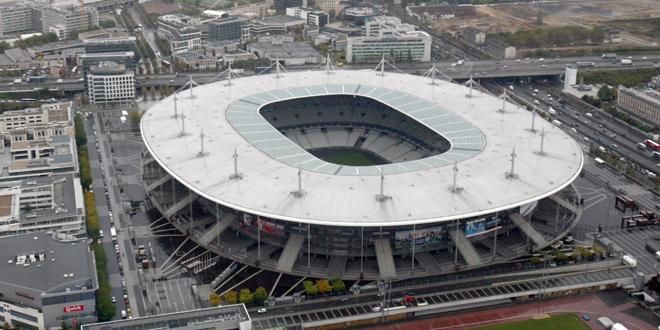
(74, 308)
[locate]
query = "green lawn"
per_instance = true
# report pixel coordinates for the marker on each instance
(346, 156)
(350, 159)
(559, 322)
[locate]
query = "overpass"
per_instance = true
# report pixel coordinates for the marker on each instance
(478, 69)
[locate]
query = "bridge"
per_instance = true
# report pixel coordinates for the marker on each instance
(478, 69)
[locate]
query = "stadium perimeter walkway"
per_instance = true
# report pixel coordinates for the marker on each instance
(590, 304)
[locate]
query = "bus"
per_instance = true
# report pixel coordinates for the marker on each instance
(624, 202)
(652, 145)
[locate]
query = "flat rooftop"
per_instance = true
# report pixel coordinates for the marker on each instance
(221, 317)
(52, 260)
(482, 138)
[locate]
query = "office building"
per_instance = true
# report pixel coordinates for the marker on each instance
(50, 119)
(17, 59)
(109, 45)
(181, 32)
(642, 104)
(288, 53)
(278, 24)
(43, 203)
(313, 17)
(358, 15)
(329, 6)
(409, 47)
(234, 28)
(46, 280)
(125, 58)
(110, 83)
(570, 76)
(15, 19)
(227, 317)
(195, 61)
(385, 35)
(64, 21)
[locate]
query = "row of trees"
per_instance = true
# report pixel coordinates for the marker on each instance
(93, 223)
(244, 296)
(105, 309)
(553, 36)
(580, 252)
(324, 286)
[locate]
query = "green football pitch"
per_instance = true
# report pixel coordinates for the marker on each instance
(348, 156)
(559, 322)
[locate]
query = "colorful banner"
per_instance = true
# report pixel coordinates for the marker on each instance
(421, 237)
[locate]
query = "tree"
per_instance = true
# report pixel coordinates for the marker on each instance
(310, 288)
(245, 296)
(260, 295)
(135, 117)
(324, 286)
(231, 297)
(214, 299)
(606, 93)
(107, 23)
(338, 285)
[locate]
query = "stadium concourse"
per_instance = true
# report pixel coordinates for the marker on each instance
(358, 174)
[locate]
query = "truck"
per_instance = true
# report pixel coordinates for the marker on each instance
(606, 322)
(17, 81)
(630, 261)
(37, 79)
(113, 234)
(626, 61)
(609, 55)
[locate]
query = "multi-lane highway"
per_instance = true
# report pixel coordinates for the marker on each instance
(477, 69)
(597, 127)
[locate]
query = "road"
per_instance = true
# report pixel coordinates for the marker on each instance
(600, 129)
(99, 186)
(478, 69)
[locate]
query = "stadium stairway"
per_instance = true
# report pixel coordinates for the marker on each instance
(466, 249)
(385, 258)
(290, 253)
(181, 204)
(217, 229)
(528, 230)
(427, 261)
(337, 266)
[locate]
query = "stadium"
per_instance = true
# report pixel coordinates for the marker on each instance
(358, 174)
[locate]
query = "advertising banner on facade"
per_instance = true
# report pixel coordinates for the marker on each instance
(421, 237)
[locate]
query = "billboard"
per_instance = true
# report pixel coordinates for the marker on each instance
(74, 308)
(420, 237)
(266, 226)
(481, 226)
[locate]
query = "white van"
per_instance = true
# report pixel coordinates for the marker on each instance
(123, 314)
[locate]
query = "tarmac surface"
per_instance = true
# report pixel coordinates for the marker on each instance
(614, 304)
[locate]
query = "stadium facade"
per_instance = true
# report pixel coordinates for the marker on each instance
(358, 174)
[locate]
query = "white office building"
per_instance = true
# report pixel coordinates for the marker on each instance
(110, 83)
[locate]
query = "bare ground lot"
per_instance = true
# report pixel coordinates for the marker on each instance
(513, 17)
